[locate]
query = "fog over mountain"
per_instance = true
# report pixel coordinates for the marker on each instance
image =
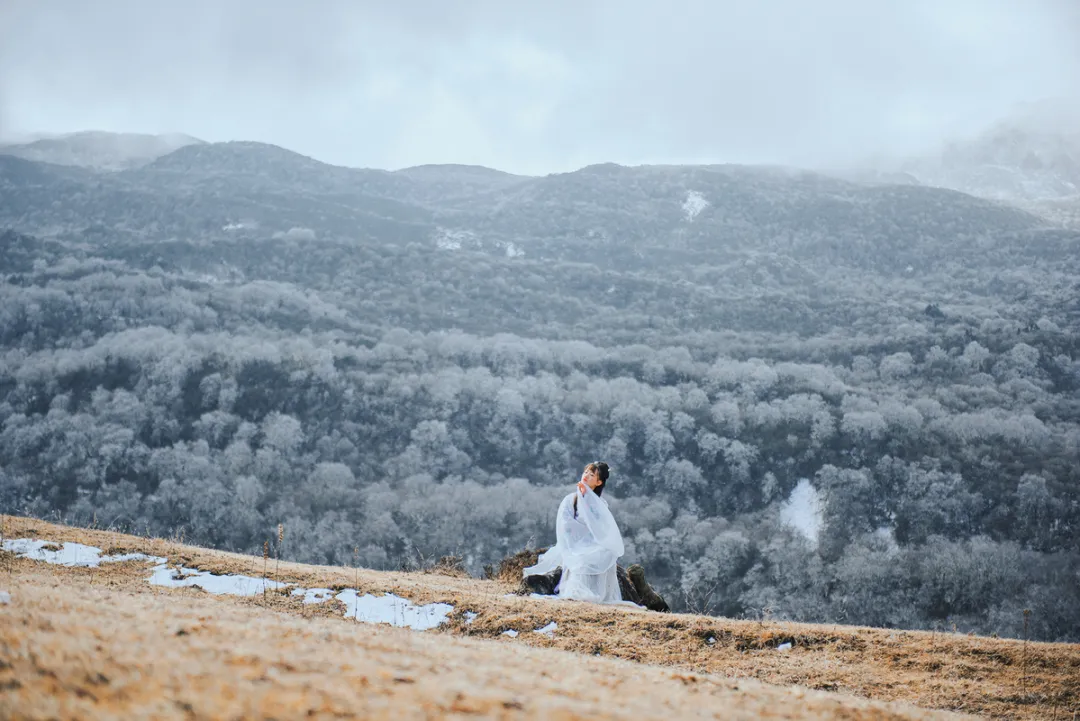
(397, 305)
(99, 150)
(540, 89)
(1031, 156)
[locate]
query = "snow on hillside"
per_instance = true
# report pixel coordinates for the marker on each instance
(456, 239)
(450, 239)
(695, 203)
(803, 512)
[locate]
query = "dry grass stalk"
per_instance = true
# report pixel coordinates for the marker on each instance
(1023, 663)
(356, 575)
(266, 557)
(509, 570)
(9, 562)
(449, 566)
(277, 550)
(700, 601)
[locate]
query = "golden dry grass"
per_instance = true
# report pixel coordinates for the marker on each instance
(165, 651)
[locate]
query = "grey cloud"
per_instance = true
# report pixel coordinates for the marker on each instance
(806, 82)
(537, 88)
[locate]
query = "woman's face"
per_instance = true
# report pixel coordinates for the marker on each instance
(590, 478)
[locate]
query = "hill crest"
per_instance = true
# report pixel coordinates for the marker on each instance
(931, 670)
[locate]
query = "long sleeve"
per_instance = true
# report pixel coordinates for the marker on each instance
(553, 558)
(595, 514)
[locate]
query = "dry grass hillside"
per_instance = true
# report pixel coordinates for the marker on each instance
(85, 643)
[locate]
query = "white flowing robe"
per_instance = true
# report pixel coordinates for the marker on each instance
(587, 547)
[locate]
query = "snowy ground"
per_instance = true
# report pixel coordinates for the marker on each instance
(693, 205)
(96, 618)
(388, 608)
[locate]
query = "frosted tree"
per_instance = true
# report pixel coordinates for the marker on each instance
(282, 432)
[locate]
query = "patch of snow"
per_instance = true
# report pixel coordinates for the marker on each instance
(70, 554)
(548, 630)
(786, 646)
(233, 585)
(802, 511)
(77, 554)
(695, 203)
(389, 608)
(5, 598)
(448, 239)
(711, 640)
(393, 610)
(513, 251)
(295, 234)
(314, 595)
(470, 616)
(509, 632)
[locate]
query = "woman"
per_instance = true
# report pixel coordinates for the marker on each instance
(588, 543)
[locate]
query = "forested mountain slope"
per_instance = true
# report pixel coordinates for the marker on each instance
(833, 401)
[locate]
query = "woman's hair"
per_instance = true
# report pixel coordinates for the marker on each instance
(601, 469)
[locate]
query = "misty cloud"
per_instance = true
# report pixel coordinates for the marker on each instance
(534, 89)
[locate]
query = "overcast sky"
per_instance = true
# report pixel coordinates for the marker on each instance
(538, 86)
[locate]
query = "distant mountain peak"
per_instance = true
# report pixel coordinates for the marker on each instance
(459, 168)
(1030, 155)
(99, 149)
(233, 156)
(602, 169)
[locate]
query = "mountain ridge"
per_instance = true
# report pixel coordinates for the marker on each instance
(661, 211)
(100, 150)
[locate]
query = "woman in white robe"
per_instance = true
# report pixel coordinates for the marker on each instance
(588, 544)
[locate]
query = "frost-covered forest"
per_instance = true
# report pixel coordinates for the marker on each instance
(821, 400)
